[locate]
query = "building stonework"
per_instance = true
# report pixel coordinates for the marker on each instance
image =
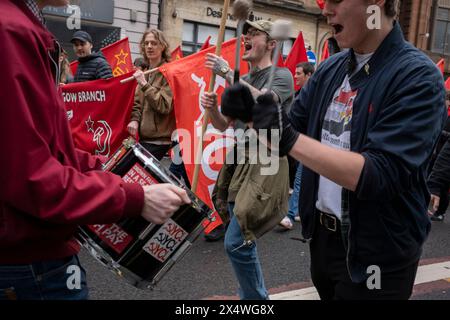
(134, 17)
(208, 12)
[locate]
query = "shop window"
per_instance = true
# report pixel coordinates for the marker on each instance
(195, 35)
(441, 37)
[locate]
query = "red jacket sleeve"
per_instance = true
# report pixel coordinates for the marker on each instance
(89, 162)
(40, 172)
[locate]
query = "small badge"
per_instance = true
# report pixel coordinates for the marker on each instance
(366, 68)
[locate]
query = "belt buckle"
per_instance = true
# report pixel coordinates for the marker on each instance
(326, 225)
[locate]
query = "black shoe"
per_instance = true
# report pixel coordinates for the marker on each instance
(215, 235)
(438, 217)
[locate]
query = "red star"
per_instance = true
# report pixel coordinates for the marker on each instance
(121, 57)
(90, 124)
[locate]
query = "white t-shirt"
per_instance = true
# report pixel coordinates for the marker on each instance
(336, 133)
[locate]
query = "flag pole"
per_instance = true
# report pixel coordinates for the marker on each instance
(145, 73)
(199, 152)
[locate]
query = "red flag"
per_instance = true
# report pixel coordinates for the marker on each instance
(73, 66)
(189, 79)
(177, 54)
(98, 113)
(118, 56)
(447, 84)
(206, 45)
(281, 63)
(325, 52)
(320, 4)
(297, 55)
(441, 64)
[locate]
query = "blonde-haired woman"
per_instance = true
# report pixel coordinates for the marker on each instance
(152, 116)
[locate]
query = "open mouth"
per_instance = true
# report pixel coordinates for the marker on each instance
(337, 28)
(248, 46)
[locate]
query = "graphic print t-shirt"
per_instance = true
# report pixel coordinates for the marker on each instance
(336, 130)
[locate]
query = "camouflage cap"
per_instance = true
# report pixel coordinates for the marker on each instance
(261, 25)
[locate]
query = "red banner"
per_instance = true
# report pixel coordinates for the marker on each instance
(189, 79)
(98, 113)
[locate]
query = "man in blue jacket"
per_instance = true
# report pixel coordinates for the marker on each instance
(364, 127)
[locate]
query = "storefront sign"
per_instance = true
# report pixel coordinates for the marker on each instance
(217, 13)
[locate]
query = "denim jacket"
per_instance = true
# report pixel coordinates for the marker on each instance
(398, 114)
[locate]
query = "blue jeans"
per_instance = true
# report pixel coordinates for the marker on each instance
(245, 262)
(62, 279)
(294, 198)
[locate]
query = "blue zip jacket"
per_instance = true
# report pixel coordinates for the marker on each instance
(398, 114)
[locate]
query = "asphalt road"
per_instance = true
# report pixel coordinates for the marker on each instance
(205, 273)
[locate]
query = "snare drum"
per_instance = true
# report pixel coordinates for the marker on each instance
(137, 250)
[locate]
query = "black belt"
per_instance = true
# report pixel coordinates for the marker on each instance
(329, 221)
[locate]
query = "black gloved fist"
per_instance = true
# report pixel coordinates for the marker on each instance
(267, 114)
(238, 102)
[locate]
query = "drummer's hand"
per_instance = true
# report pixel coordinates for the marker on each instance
(140, 78)
(219, 66)
(133, 127)
(161, 201)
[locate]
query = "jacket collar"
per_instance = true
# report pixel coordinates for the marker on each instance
(390, 45)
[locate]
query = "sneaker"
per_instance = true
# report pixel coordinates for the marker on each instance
(286, 223)
(297, 218)
(439, 217)
(215, 235)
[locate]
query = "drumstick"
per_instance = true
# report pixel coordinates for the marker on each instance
(241, 9)
(281, 30)
(145, 73)
(199, 153)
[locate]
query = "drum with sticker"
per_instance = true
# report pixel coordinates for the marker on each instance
(137, 250)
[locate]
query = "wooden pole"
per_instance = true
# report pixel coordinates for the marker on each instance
(145, 73)
(199, 152)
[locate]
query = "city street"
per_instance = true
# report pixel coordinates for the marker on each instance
(205, 273)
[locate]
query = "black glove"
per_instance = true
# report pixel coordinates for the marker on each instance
(238, 102)
(267, 114)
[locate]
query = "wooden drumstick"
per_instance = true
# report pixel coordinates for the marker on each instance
(281, 30)
(241, 10)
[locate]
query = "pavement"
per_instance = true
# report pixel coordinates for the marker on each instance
(205, 272)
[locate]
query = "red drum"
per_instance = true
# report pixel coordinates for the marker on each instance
(137, 250)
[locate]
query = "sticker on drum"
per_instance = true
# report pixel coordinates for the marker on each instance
(113, 235)
(137, 174)
(165, 241)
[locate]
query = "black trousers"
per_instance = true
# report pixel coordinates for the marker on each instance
(158, 151)
(332, 281)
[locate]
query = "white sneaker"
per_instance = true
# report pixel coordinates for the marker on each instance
(297, 218)
(286, 223)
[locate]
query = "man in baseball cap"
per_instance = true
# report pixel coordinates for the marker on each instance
(81, 35)
(248, 210)
(261, 25)
(91, 66)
